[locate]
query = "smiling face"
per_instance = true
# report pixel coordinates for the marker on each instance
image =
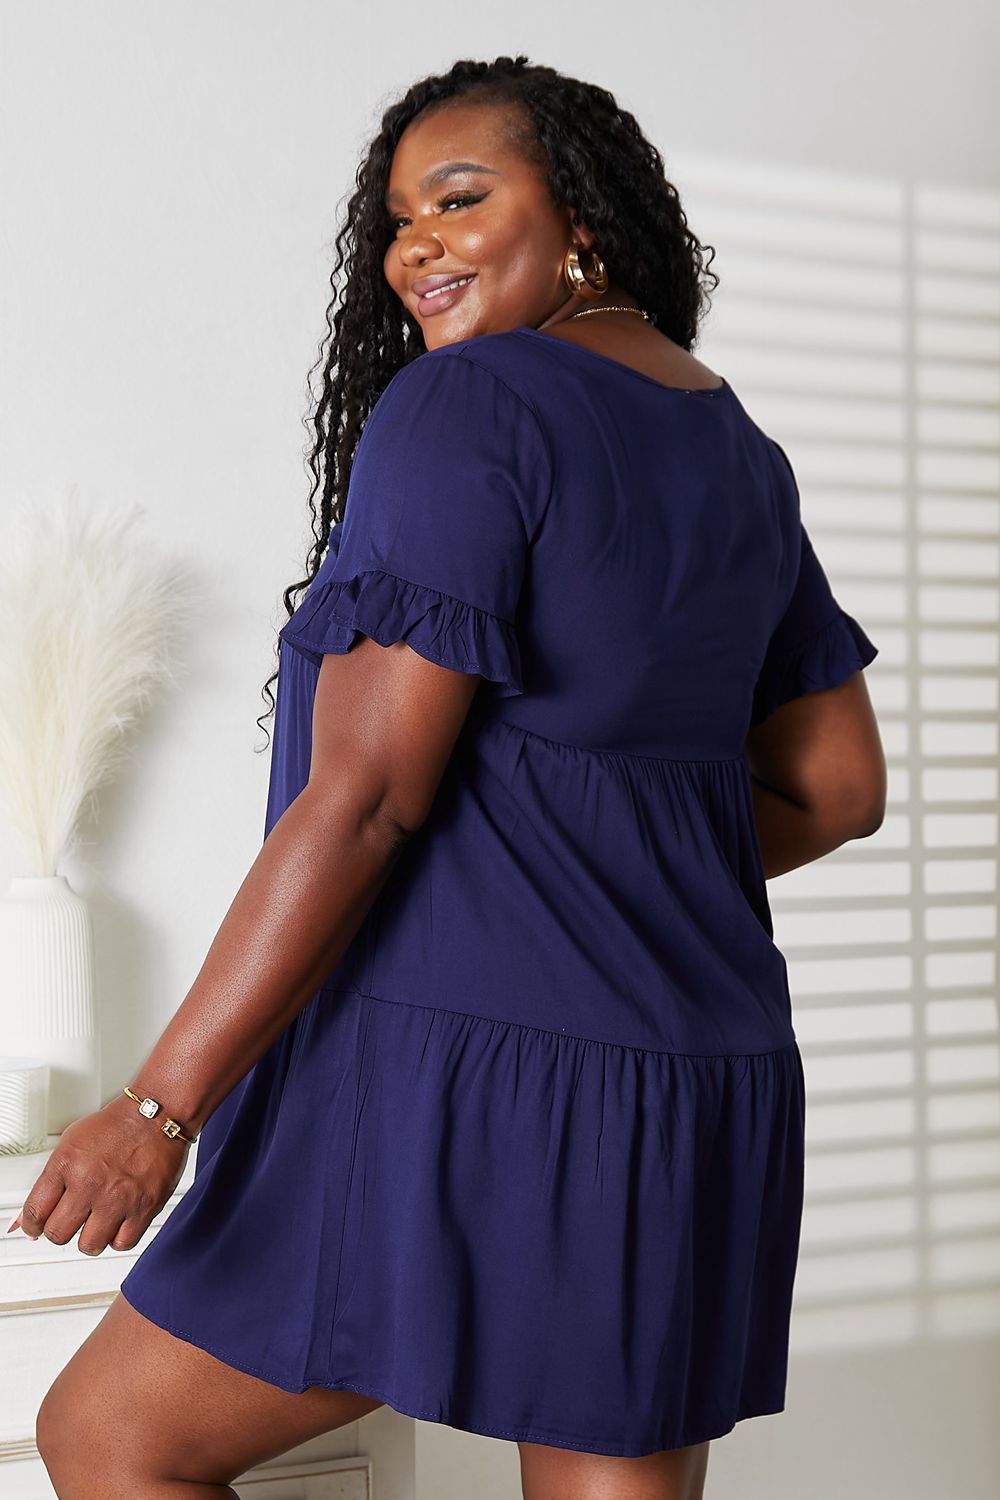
(466, 201)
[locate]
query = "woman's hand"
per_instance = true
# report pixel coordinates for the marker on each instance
(109, 1175)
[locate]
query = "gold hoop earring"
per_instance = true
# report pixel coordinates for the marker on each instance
(577, 281)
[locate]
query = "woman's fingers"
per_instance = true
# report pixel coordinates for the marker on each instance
(107, 1177)
(102, 1220)
(68, 1216)
(131, 1230)
(40, 1204)
(101, 1228)
(121, 1227)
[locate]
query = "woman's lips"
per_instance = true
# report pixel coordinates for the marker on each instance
(440, 300)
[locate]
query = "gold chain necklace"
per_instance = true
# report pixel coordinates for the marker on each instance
(608, 308)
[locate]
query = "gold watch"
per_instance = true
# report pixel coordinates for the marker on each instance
(150, 1107)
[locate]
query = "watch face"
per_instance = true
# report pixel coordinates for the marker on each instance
(148, 1107)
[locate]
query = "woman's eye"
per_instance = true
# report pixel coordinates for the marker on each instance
(463, 199)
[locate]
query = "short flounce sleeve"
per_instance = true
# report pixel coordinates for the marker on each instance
(815, 645)
(434, 543)
(388, 609)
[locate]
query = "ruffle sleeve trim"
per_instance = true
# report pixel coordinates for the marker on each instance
(437, 626)
(824, 660)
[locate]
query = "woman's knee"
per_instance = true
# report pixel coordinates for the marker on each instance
(141, 1407)
(67, 1438)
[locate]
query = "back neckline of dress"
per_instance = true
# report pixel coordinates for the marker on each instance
(725, 389)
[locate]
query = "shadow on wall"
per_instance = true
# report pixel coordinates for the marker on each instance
(864, 313)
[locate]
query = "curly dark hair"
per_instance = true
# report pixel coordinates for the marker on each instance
(594, 157)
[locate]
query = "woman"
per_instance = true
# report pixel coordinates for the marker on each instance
(500, 1104)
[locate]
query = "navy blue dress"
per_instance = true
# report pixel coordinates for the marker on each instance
(530, 1161)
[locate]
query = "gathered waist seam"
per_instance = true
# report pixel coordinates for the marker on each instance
(569, 1036)
(484, 717)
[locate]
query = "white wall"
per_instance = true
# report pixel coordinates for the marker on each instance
(170, 184)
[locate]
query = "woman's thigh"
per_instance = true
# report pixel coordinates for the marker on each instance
(564, 1474)
(141, 1404)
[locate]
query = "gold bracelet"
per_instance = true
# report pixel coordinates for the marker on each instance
(149, 1108)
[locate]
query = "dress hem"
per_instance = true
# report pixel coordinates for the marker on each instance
(408, 1408)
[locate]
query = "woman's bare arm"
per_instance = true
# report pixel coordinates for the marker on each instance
(385, 721)
(819, 775)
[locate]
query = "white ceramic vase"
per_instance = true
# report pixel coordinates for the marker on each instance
(47, 1005)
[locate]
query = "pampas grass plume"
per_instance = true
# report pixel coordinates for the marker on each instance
(88, 620)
